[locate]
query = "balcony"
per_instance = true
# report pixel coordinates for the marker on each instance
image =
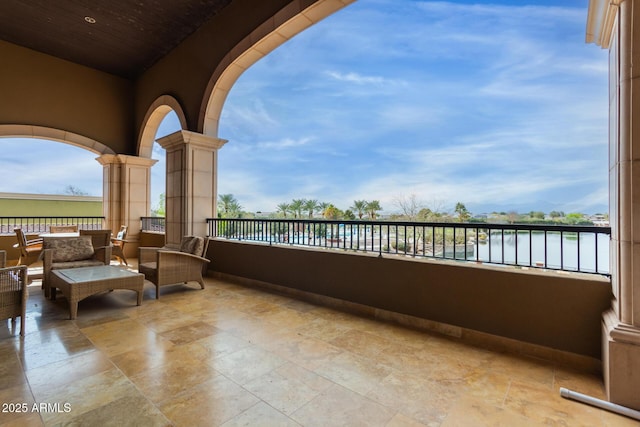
(233, 354)
(317, 336)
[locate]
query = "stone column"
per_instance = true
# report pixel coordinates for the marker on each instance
(191, 191)
(126, 194)
(621, 324)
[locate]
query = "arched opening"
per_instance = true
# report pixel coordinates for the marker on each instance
(164, 116)
(459, 106)
(290, 21)
(169, 124)
(27, 164)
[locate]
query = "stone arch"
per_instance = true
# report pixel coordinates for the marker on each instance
(155, 114)
(59, 135)
(288, 22)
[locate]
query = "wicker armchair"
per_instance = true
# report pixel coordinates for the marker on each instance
(13, 292)
(99, 238)
(163, 266)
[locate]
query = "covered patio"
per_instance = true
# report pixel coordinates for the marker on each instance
(237, 355)
(261, 342)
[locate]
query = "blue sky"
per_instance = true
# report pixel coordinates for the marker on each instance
(500, 105)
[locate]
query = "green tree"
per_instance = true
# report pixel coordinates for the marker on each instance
(462, 212)
(296, 206)
(331, 212)
(160, 209)
(574, 218)
(556, 214)
(359, 207)
(425, 215)
(372, 209)
(311, 206)
(228, 206)
(284, 209)
(537, 214)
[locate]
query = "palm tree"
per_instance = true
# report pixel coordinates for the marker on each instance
(296, 207)
(284, 208)
(310, 206)
(372, 208)
(322, 206)
(360, 207)
(331, 212)
(228, 205)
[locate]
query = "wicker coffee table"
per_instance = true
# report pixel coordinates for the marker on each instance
(78, 283)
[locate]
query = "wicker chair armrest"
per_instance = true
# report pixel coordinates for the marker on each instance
(47, 258)
(147, 254)
(167, 256)
(103, 254)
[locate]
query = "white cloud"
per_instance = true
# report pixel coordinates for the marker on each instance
(284, 143)
(360, 79)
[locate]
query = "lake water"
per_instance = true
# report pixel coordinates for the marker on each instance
(561, 253)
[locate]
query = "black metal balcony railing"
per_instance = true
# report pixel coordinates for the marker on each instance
(152, 223)
(555, 247)
(41, 224)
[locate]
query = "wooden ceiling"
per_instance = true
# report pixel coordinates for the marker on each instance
(127, 37)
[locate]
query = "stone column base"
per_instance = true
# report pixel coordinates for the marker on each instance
(621, 361)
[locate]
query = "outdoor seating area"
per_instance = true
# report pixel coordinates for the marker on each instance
(236, 355)
(71, 252)
(163, 266)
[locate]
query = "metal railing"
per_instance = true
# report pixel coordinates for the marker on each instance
(554, 247)
(41, 224)
(152, 223)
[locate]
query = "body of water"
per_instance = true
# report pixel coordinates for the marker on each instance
(529, 248)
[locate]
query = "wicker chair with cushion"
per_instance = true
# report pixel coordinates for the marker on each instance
(71, 252)
(13, 292)
(99, 238)
(29, 249)
(163, 266)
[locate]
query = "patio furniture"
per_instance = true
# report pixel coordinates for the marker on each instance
(13, 292)
(117, 245)
(78, 283)
(30, 250)
(63, 229)
(163, 266)
(99, 238)
(71, 252)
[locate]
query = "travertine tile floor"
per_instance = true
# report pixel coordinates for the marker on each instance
(236, 356)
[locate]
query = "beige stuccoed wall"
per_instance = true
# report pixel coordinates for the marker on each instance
(554, 310)
(41, 90)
